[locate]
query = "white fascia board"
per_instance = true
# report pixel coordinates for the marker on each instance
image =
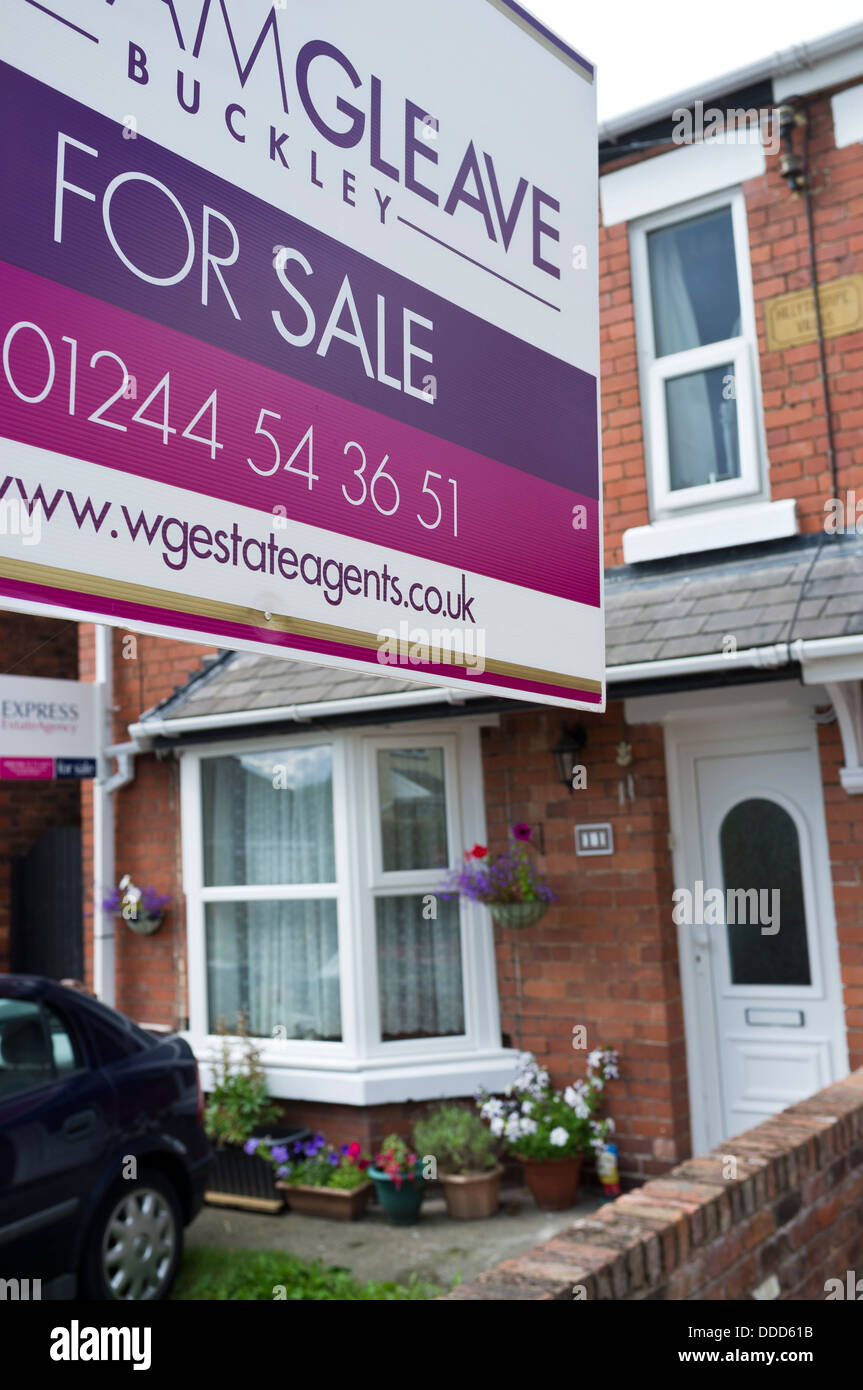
(814, 76)
(711, 530)
(684, 173)
(848, 116)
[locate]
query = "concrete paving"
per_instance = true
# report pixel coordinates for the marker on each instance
(436, 1249)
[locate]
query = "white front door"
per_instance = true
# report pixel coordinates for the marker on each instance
(759, 954)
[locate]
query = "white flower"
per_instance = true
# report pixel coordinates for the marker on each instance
(574, 1098)
(528, 1126)
(496, 1126)
(609, 1125)
(512, 1128)
(595, 1058)
(492, 1109)
(558, 1137)
(526, 1107)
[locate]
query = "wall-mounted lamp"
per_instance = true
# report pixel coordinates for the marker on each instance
(566, 752)
(791, 167)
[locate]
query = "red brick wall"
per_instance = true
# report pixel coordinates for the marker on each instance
(845, 837)
(605, 956)
(790, 380)
(44, 647)
(150, 971)
(789, 1210)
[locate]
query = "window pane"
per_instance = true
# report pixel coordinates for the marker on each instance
(278, 961)
(25, 1056)
(63, 1051)
(761, 849)
(419, 969)
(413, 808)
(703, 446)
(693, 283)
(268, 817)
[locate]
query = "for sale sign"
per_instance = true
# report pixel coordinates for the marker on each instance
(298, 313)
(48, 729)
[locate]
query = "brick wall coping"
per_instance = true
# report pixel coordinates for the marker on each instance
(698, 1233)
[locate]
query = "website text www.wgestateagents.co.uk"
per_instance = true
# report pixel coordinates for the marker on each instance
(177, 541)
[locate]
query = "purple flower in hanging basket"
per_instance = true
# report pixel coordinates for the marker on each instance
(280, 1153)
(522, 831)
(250, 1146)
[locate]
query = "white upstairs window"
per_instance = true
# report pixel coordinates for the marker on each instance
(698, 356)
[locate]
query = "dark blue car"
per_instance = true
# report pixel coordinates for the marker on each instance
(103, 1157)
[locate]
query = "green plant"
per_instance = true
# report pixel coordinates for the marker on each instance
(239, 1101)
(211, 1273)
(397, 1160)
(457, 1138)
(538, 1122)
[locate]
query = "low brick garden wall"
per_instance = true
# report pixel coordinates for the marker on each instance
(774, 1213)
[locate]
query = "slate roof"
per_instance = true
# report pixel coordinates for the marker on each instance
(752, 597)
(653, 613)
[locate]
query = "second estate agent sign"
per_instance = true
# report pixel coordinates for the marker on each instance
(298, 315)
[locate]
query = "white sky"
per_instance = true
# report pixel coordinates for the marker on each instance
(648, 49)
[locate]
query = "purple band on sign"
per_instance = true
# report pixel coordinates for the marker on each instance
(490, 392)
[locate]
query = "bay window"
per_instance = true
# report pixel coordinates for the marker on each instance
(312, 868)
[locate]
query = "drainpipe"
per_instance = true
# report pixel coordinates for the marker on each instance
(104, 786)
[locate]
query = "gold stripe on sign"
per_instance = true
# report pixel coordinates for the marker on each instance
(26, 572)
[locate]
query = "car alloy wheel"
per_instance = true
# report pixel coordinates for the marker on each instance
(139, 1245)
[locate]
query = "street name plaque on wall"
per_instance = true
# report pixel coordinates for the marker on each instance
(299, 329)
(790, 318)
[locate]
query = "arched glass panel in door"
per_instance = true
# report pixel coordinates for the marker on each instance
(760, 850)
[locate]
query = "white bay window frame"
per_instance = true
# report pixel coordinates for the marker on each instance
(361, 1069)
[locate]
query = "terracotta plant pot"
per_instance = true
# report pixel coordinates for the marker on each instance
(518, 914)
(553, 1182)
(332, 1203)
(472, 1196)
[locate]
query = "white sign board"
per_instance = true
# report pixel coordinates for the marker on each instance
(299, 327)
(48, 729)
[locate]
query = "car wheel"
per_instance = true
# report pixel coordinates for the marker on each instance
(135, 1243)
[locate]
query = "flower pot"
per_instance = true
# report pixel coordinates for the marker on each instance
(241, 1179)
(518, 914)
(401, 1204)
(472, 1196)
(332, 1203)
(553, 1182)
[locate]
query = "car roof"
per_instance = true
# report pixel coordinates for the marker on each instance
(39, 987)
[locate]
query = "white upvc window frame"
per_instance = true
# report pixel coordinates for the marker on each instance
(361, 1068)
(741, 352)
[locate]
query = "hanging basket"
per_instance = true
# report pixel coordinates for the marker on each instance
(518, 914)
(145, 923)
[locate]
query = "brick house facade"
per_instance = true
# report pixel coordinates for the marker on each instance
(691, 715)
